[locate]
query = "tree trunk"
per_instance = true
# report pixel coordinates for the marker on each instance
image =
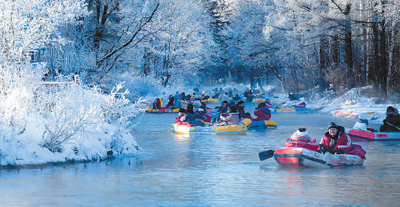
(383, 56)
(280, 78)
(252, 78)
(389, 68)
(349, 55)
(335, 50)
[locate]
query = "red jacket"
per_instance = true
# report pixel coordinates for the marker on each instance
(343, 142)
(261, 115)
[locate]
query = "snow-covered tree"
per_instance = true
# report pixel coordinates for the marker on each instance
(53, 121)
(182, 44)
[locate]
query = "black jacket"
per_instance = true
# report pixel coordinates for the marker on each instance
(391, 123)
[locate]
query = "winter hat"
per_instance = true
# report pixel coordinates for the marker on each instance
(301, 135)
(302, 132)
(390, 108)
(332, 125)
(260, 105)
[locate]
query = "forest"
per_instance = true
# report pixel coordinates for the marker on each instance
(302, 43)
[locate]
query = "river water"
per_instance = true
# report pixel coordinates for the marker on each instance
(210, 170)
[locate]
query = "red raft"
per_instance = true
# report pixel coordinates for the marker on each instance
(302, 157)
(356, 134)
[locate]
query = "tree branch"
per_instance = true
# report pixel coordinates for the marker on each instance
(148, 19)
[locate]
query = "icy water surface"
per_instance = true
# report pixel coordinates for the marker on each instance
(210, 170)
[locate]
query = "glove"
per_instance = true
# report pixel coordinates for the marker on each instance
(321, 149)
(331, 151)
(337, 150)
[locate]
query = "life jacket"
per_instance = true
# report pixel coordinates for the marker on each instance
(262, 114)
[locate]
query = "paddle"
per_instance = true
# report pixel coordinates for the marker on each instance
(392, 125)
(266, 154)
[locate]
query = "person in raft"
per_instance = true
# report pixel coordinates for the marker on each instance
(301, 135)
(240, 107)
(392, 121)
(262, 112)
(157, 103)
(231, 119)
(335, 140)
(194, 117)
(182, 116)
(178, 101)
(300, 138)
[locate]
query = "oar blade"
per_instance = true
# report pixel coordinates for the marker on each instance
(266, 154)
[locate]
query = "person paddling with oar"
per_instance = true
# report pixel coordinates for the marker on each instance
(392, 121)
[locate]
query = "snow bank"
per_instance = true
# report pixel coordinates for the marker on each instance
(353, 104)
(67, 122)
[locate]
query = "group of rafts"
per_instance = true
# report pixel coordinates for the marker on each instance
(297, 152)
(185, 128)
(241, 128)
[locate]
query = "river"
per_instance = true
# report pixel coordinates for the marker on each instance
(210, 170)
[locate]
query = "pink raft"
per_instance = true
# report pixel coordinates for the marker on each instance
(356, 134)
(300, 151)
(300, 105)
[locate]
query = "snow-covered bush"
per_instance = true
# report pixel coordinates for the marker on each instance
(67, 121)
(18, 84)
(352, 96)
(72, 109)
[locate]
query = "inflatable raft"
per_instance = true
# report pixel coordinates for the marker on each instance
(262, 123)
(203, 101)
(188, 129)
(357, 134)
(302, 157)
(289, 110)
(214, 100)
(162, 110)
(259, 100)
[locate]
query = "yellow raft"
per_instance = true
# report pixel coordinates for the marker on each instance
(259, 100)
(262, 123)
(229, 129)
(151, 110)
